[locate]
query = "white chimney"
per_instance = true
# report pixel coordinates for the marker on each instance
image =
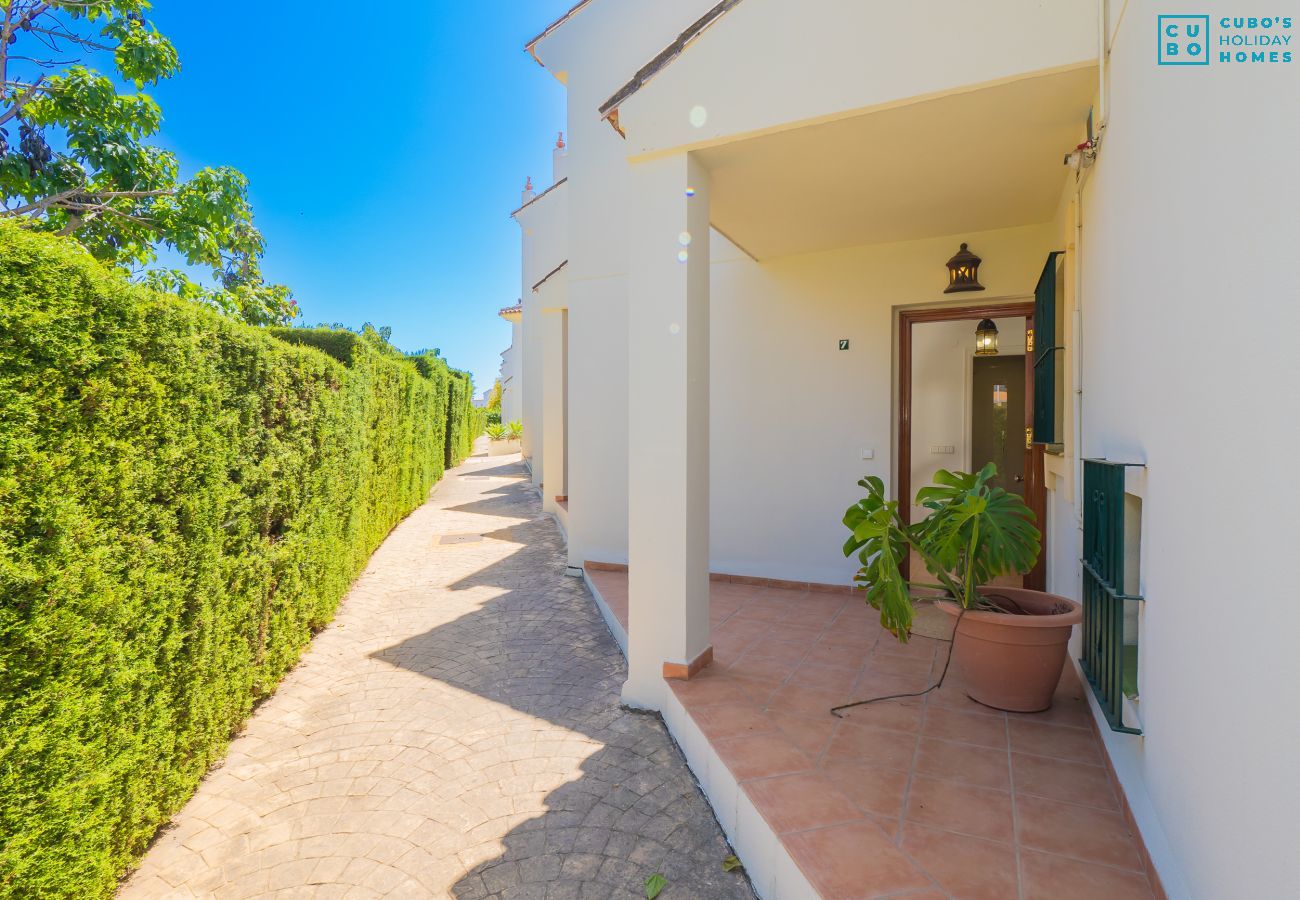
(560, 159)
(529, 193)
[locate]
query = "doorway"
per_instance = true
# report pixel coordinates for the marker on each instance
(997, 419)
(996, 394)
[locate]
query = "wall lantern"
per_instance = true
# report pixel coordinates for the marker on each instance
(963, 272)
(986, 338)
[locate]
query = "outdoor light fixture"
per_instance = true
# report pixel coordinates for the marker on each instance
(986, 338)
(963, 272)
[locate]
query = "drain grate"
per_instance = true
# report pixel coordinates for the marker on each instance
(460, 538)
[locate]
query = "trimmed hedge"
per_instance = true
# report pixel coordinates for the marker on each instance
(183, 501)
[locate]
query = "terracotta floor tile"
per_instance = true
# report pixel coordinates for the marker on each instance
(727, 650)
(845, 656)
(874, 746)
(917, 648)
(895, 715)
(1055, 741)
(800, 802)
(759, 689)
(709, 688)
(979, 766)
(810, 735)
(845, 632)
(805, 700)
(795, 633)
(875, 790)
(1068, 711)
(1047, 877)
(951, 806)
(855, 861)
(1058, 779)
(824, 678)
(1079, 832)
(899, 666)
(875, 684)
(758, 664)
(730, 721)
(762, 756)
(764, 611)
(953, 696)
(779, 653)
(967, 868)
(968, 728)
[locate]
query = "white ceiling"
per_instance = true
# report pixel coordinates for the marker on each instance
(985, 159)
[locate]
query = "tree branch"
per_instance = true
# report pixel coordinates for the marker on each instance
(22, 100)
(69, 200)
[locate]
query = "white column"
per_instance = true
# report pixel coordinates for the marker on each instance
(668, 426)
(531, 361)
(554, 430)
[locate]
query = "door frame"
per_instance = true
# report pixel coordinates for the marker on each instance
(1035, 494)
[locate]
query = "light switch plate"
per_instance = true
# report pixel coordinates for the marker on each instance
(868, 454)
(943, 449)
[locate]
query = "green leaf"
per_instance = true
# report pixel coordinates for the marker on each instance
(732, 863)
(654, 886)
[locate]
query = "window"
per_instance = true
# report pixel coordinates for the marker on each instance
(1111, 604)
(1049, 341)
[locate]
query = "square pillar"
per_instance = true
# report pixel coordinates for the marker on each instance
(531, 359)
(554, 406)
(668, 426)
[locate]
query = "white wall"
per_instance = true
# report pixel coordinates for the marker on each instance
(747, 75)
(545, 243)
(792, 413)
(1190, 315)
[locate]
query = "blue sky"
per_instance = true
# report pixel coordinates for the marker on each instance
(386, 147)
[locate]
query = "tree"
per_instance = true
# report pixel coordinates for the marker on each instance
(83, 166)
(494, 398)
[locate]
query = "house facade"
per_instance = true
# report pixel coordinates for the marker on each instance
(510, 375)
(735, 305)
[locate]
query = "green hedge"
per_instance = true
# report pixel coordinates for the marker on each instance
(183, 501)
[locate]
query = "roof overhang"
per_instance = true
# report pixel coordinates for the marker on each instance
(538, 197)
(531, 46)
(549, 275)
(609, 109)
(977, 160)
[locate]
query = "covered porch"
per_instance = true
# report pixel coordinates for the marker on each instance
(932, 796)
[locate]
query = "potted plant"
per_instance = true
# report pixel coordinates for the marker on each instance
(504, 439)
(1009, 644)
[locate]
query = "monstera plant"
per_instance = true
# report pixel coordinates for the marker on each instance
(1009, 643)
(974, 533)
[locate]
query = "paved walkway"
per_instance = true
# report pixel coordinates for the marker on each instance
(455, 733)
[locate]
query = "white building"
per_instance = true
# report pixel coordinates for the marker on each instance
(733, 308)
(512, 394)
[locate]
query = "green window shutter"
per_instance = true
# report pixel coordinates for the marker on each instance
(1046, 355)
(1105, 655)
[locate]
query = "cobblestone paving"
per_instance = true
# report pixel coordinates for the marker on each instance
(455, 733)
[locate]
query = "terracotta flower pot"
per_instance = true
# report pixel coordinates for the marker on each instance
(1013, 662)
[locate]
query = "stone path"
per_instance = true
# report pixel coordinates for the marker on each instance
(455, 733)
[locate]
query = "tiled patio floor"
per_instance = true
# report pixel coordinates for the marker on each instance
(929, 797)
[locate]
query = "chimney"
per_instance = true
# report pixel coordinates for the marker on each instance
(529, 193)
(560, 158)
